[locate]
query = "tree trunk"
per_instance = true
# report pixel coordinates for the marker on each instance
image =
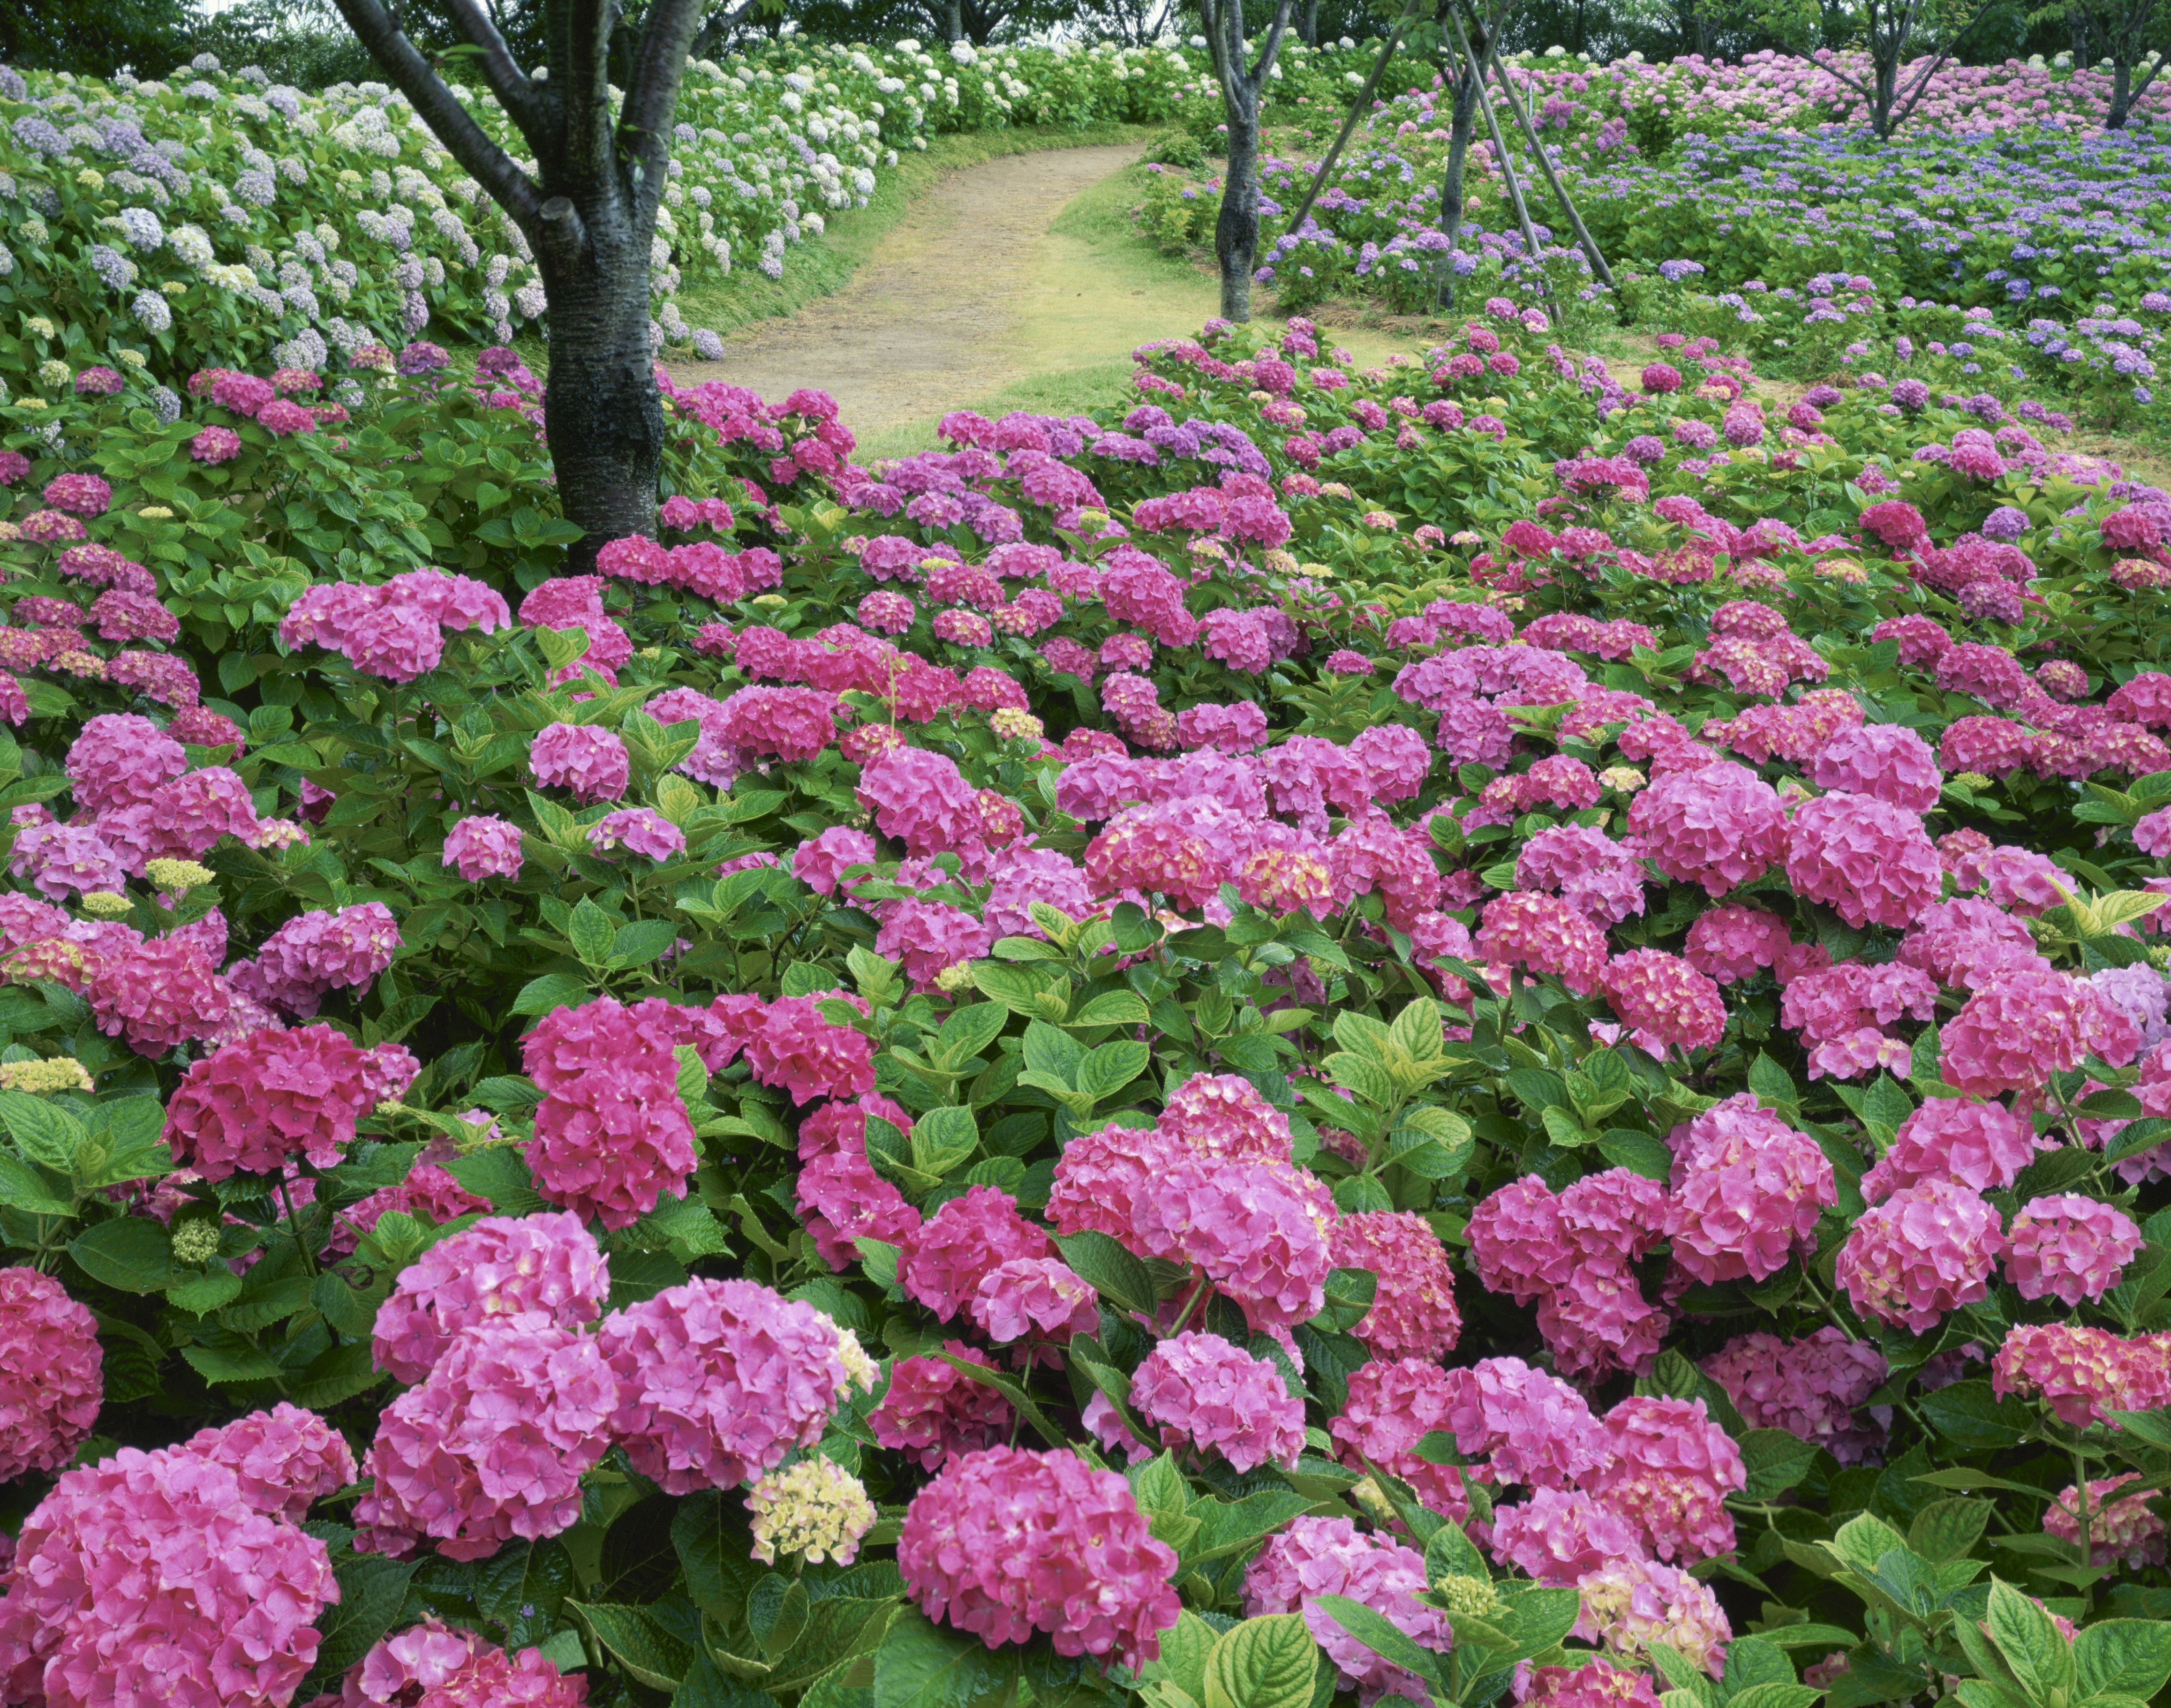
(601, 416)
(1236, 228)
(1461, 125)
(953, 21)
(2121, 93)
(1309, 27)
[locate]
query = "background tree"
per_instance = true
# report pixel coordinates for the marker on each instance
(1243, 83)
(1892, 29)
(588, 211)
(95, 38)
(2132, 34)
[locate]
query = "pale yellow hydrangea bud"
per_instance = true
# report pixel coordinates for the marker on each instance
(278, 832)
(1626, 778)
(53, 372)
(195, 1242)
(1469, 1595)
(177, 875)
(955, 978)
(1009, 722)
(769, 599)
(38, 326)
(1090, 519)
(860, 1370)
(155, 512)
(815, 1508)
(1972, 780)
(174, 287)
(60, 1074)
(1282, 563)
(131, 358)
(91, 180)
(104, 904)
(1371, 1502)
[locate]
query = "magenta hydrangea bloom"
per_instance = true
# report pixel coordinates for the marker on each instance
(1004, 1543)
(2023, 1026)
(1719, 825)
(933, 1411)
(120, 760)
(1888, 760)
(1206, 1393)
(504, 1266)
(1668, 1471)
(821, 862)
(435, 1665)
(718, 1380)
(922, 799)
(2121, 1531)
(266, 1099)
(2069, 1248)
(1558, 1536)
(1103, 1176)
(1666, 1003)
(1980, 1144)
(1814, 1388)
(1041, 1296)
(798, 1048)
(158, 994)
(1413, 1310)
(1313, 1556)
(51, 1373)
(1517, 1243)
(492, 1445)
(2082, 1373)
(961, 1243)
(642, 829)
(480, 846)
(1870, 861)
(842, 1199)
(1633, 1604)
(162, 1564)
(1926, 1251)
(927, 939)
(1392, 1406)
(1223, 1115)
(1747, 1191)
(611, 1134)
(588, 760)
(1546, 935)
(1594, 1685)
(1256, 1230)
(317, 952)
(1530, 1426)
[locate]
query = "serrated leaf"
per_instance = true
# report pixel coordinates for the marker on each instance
(1268, 1662)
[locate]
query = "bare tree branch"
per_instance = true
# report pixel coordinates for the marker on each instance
(1265, 57)
(1922, 83)
(581, 87)
(506, 81)
(490, 165)
(659, 66)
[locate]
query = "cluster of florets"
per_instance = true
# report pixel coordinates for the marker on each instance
(1665, 1003)
(1747, 1191)
(1719, 825)
(962, 1244)
(2121, 1530)
(2069, 1248)
(1414, 1311)
(1815, 1387)
(1867, 859)
(933, 1411)
(815, 1508)
(1544, 934)
(586, 758)
(611, 1134)
(396, 630)
(503, 1266)
(1389, 1407)
(492, 1444)
(51, 1373)
(480, 846)
(1206, 1393)
(1314, 1556)
(1632, 1604)
(2025, 1026)
(1256, 1230)
(1980, 1144)
(432, 1663)
(1571, 1255)
(1925, 1251)
(316, 953)
(1041, 1296)
(268, 1099)
(1004, 1543)
(2084, 1374)
(717, 1380)
(187, 1563)
(1668, 1471)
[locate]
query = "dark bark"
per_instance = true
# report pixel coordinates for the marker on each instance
(1451, 185)
(589, 215)
(1892, 28)
(1308, 29)
(1243, 86)
(953, 21)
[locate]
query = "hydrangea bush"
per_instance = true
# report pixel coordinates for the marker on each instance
(1469, 1032)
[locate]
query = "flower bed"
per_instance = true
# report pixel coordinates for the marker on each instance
(1448, 1031)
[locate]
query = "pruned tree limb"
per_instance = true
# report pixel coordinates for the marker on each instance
(515, 93)
(659, 66)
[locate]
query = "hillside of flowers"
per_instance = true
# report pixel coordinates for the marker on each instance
(1749, 203)
(1474, 1032)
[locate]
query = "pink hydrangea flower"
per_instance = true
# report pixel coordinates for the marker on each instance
(51, 1373)
(588, 760)
(1888, 760)
(1104, 1176)
(2069, 1248)
(1870, 861)
(961, 1243)
(1206, 1393)
(642, 829)
(1594, 1685)
(504, 1266)
(2023, 1026)
(1257, 1231)
(156, 995)
(1632, 1604)
(492, 1445)
(1222, 1115)
(432, 1663)
(933, 1411)
(1720, 826)
(1814, 1388)
(611, 1134)
(2121, 1531)
(480, 846)
(1560, 1536)
(1925, 1251)
(1033, 1295)
(2082, 1373)
(796, 1048)
(1980, 1144)
(841, 1199)
(270, 1097)
(317, 952)
(1747, 1191)
(921, 798)
(1004, 1542)
(1390, 1406)
(120, 760)
(928, 939)
(1544, 934)
(1668, 1471)
(1314, 1556)
(718, 1380)
(1530, 1426)
(1413, 1310)
(1665, 1003)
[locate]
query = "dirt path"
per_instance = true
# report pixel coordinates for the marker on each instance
(946, 310)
